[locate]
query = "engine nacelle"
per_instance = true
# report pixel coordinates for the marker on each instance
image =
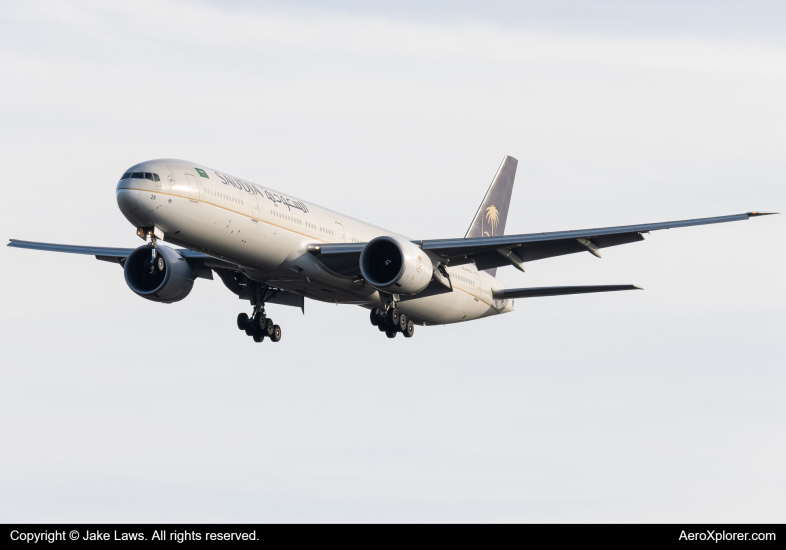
(395, 265)
(170, 280)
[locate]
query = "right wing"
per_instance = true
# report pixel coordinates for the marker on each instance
(108, 254)
(202, 264)
(102, 253)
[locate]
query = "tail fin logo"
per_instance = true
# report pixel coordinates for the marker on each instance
(492, 217)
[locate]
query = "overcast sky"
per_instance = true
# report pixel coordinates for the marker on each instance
(661, 405)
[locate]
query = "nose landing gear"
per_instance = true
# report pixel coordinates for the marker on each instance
(156, 261)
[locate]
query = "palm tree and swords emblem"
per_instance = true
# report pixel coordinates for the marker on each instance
(492, 217)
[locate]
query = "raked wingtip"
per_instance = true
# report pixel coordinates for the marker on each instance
(754, 214)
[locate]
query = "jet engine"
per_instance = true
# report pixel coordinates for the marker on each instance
(395, 265)
(167, 278)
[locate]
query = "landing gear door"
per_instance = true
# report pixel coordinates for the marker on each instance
(340, 232)
(193, 187)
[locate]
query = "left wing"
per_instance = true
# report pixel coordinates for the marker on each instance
(489, 252)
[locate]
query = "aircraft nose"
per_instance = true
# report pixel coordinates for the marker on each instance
(128, 202)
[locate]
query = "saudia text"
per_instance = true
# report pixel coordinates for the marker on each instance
(253, 188)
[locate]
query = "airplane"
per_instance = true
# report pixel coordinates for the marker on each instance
(270, 247)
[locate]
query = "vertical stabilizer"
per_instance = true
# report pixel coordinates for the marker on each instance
(493, 212)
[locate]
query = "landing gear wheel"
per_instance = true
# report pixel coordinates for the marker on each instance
(259, 322)
(269, 328)
(393, 316)
(375, 317)
(410, 330)
(242, 321)
(391, 333)
(382, 327)
(250, 331)
(402, 323)
(258, 337)
(276, 336)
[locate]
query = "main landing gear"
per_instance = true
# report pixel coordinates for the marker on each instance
(259, 326)
(392, 321)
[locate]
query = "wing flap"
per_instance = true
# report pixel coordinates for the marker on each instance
(340, 258)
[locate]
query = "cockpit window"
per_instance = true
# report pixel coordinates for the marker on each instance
(141, 176)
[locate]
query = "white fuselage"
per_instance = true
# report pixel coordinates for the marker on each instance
(266, 233)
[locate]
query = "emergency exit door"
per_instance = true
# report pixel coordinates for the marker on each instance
(340, 232)
(193, 187)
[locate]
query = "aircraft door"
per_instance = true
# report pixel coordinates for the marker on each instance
(193, 187)
(340, 232)
(476, 290)
(254, 207)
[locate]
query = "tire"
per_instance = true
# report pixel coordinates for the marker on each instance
(250, 331)
(393, 315)
(391, 333)
(269, 329)
(276, 333)
(259, 322)
(382, 327)
(402, 323)
(410, 330)
(258, 337)
(160, 263)
(375, 317)
(242, 321)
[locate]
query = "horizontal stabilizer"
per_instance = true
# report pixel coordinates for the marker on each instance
(508, 293)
